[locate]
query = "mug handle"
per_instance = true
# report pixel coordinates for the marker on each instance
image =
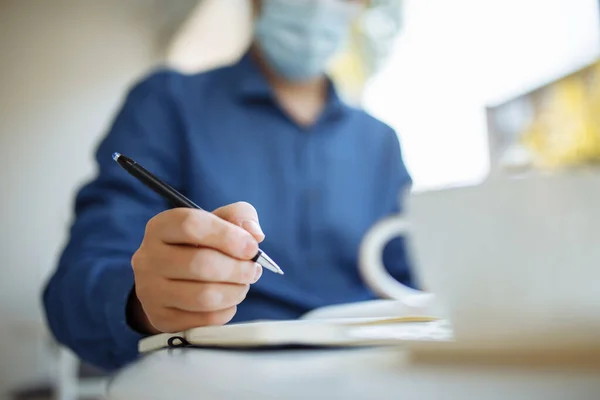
(370, 265)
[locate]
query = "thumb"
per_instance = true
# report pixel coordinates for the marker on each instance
(244, 215)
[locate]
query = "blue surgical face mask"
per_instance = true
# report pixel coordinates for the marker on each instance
(298, 38)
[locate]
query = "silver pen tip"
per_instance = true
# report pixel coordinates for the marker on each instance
(116, 156)
(266, 262)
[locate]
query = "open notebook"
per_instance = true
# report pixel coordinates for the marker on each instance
(362, 324)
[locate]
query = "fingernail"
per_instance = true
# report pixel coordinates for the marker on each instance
(253, 227)
(250, 248)
(258, 273)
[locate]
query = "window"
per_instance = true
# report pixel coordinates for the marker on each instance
(455, 57)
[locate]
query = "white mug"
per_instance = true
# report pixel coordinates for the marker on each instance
(511, 260)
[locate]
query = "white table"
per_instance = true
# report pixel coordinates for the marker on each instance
(383, 373)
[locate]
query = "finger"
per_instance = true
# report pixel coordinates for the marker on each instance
(201, 228)
(201, 297)
(171, 320)
(205, 265)
(242, 214)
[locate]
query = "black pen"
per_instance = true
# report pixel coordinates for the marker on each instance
(178, 200)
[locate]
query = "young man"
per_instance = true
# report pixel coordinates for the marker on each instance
(266, 137)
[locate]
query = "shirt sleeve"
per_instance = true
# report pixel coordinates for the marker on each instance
(85, 299)
(395, 256)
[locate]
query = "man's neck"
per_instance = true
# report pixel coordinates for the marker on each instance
(302, 101)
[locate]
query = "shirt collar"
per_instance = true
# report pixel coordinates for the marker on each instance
(251, 85)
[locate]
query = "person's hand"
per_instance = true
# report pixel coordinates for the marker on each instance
(193, 268)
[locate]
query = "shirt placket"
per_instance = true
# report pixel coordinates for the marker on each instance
(311, 197)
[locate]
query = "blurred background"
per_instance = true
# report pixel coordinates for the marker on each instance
(65, 66)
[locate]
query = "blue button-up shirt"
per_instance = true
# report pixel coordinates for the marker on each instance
(220, 137)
